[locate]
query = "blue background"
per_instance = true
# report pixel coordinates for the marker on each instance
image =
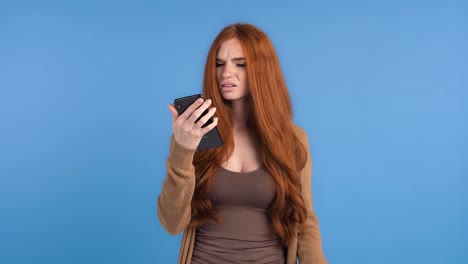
(381, 88)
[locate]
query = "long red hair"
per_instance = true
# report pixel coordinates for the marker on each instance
(270, 117)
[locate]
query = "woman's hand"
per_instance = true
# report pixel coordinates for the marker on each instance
(186, 131)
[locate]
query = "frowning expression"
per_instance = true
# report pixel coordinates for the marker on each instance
(231, 71)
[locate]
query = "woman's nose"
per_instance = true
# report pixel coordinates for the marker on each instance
(227, 71)
(226, 75)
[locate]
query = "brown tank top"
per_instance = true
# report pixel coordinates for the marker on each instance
(246, 235)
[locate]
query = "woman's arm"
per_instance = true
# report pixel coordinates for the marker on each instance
(174, 209)
(309, 244)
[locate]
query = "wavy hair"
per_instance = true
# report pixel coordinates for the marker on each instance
(270, 117)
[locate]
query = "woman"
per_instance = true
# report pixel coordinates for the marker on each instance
(250, 200)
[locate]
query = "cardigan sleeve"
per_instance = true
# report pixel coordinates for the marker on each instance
(174, 209)
(309, 243)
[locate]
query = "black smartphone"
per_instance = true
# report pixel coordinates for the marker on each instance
(212, 139)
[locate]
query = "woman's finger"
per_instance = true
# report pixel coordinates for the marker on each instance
(173, 112)
(202, 122)
(197, 113)
(209, 127)
(193, 107)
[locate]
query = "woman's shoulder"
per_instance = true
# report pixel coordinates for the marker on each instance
(300, 132)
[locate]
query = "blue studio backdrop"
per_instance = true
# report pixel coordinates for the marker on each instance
(381, 87)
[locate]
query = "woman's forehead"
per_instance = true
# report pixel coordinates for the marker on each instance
(230, 49)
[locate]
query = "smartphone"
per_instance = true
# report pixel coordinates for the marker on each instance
(212, 139)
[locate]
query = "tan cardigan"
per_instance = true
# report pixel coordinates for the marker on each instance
(175, 213)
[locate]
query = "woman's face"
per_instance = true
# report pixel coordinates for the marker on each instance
(231, 72)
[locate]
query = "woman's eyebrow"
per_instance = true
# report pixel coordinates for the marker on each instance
(233, 59)
(238, 59)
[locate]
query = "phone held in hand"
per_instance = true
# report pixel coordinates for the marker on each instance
(212, 139)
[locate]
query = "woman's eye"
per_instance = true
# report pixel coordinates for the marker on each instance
(241, 64)
(219, 64)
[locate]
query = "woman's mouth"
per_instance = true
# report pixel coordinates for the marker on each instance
(228, 86)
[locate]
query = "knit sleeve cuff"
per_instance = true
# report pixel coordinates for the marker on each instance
(179, 155)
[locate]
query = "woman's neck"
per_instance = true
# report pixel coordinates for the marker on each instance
(239, 113)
